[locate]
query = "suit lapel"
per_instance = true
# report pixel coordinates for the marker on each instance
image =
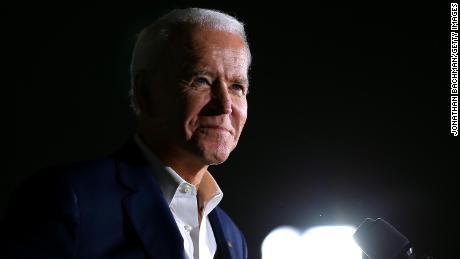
(223, 240)
(146, 208)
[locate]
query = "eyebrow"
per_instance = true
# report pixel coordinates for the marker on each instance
(242, 81)
(201, 72)
(204, 72)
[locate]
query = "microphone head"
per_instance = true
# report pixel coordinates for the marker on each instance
(380, 240)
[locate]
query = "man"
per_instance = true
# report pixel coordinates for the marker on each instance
(155, 197)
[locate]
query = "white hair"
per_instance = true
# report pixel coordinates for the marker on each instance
(154, 38)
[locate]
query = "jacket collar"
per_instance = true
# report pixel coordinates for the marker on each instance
(150, 214)
(146, 207)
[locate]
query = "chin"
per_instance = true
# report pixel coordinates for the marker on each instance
(216, 159)
(215, 154)
(214, 151)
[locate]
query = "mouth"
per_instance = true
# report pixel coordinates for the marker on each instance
(216, 128)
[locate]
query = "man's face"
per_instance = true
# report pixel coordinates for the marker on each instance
(202, 105)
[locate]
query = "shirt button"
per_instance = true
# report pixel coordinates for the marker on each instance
(188, 228)
(186, 188)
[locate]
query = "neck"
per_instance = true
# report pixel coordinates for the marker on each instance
(189, 172)
(184, 164)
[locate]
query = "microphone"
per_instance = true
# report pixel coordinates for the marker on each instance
(380, 240)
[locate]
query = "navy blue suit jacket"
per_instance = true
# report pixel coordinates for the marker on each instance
(105, 208)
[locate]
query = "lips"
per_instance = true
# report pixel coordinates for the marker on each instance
(216, 127)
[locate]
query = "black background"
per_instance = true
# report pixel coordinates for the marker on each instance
(349, 110)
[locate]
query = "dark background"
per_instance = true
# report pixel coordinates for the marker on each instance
(349, 110)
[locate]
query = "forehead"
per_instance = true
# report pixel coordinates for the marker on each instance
(204, 37)
(200, 46)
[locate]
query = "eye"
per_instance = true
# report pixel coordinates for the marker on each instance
(201, 81)
(240, 89)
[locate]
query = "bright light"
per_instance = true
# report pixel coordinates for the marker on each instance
(282, 243)
(328, 242)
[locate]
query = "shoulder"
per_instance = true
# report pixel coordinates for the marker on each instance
(71, 176)
(58, 186)
(75, 171)
(45, 212)
(59, 182)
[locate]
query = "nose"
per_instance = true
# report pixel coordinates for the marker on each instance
(221, 101)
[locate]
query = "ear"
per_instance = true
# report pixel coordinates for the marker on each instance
(142, 91)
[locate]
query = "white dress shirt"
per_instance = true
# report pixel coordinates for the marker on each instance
(184, 201)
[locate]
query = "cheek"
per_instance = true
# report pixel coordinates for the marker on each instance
(240, 114)
(192, 108)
